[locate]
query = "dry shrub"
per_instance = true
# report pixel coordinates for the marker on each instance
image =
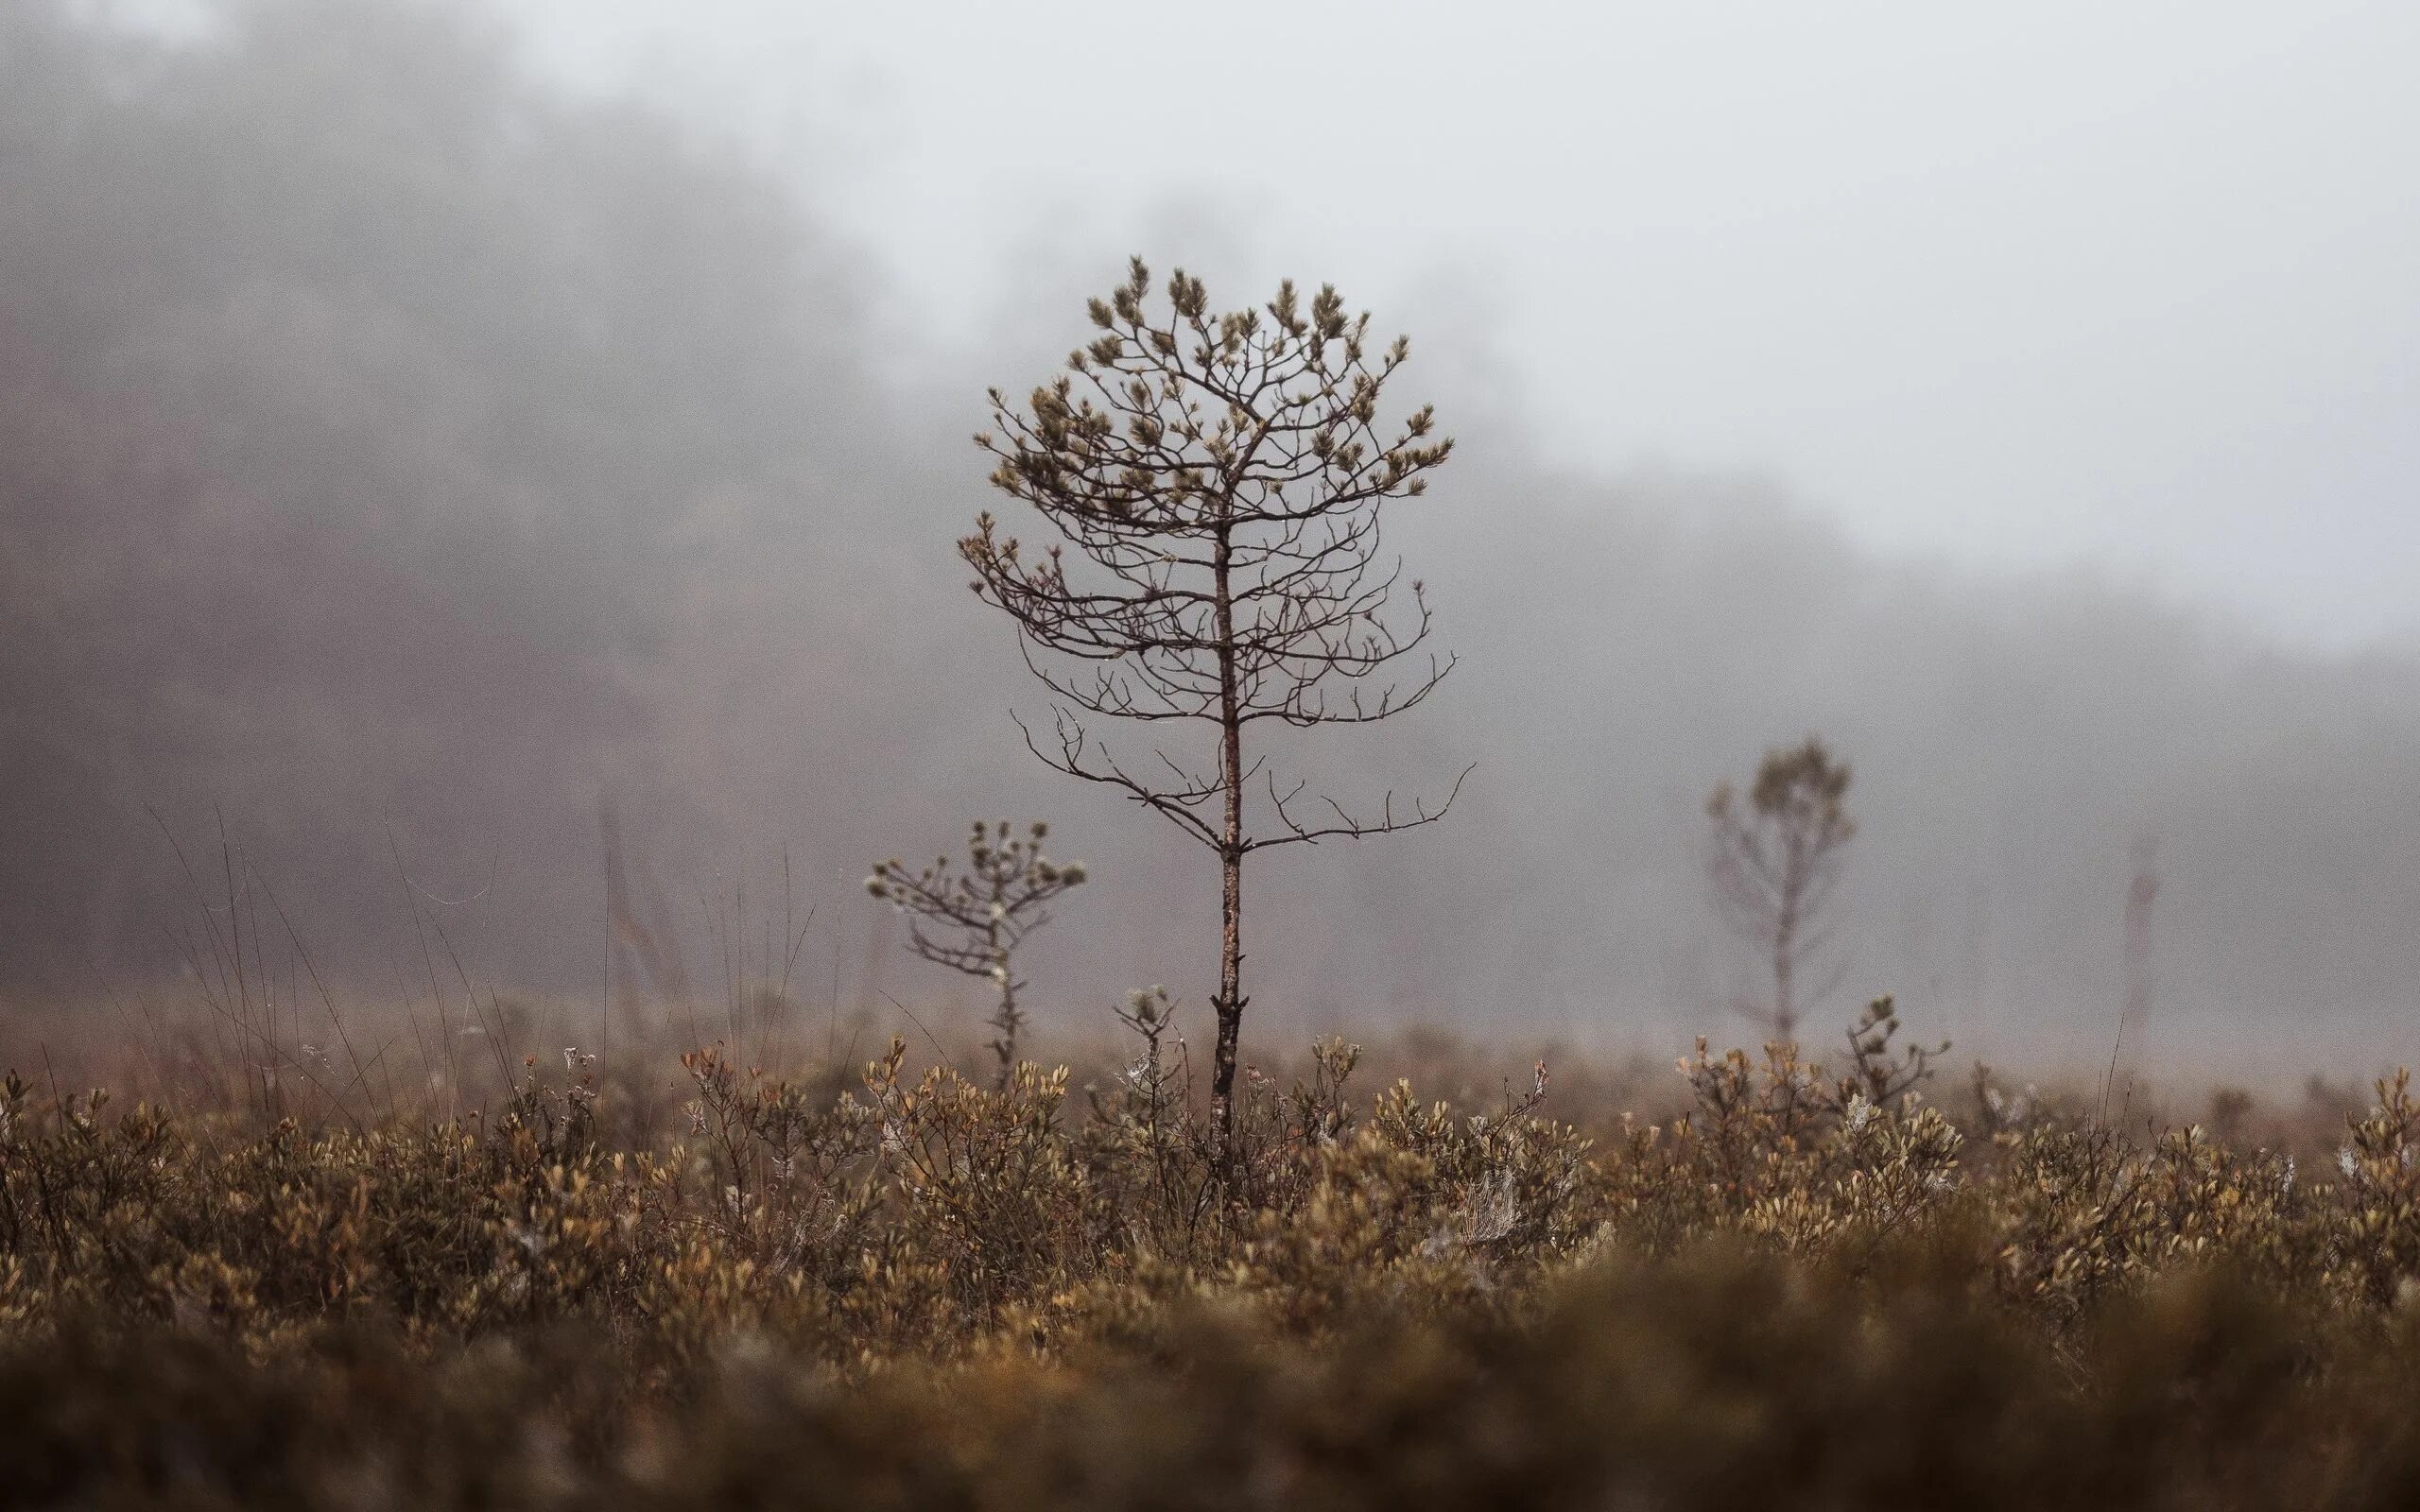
(926, 1292)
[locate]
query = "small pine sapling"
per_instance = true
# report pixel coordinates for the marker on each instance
(972, 920)
(1215, 482)
(1886, 1073)
(1774, 862)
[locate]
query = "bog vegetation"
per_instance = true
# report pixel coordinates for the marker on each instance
(1793, 1284)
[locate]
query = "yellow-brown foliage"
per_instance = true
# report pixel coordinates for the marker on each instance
(926, 1292)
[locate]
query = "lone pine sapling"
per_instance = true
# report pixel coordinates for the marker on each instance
(1216, 482)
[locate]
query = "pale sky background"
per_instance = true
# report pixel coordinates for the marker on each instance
(2133, 284)
(2126, 284)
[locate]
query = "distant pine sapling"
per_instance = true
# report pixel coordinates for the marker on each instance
(1219, 477)
(973, 920)
(1774, 863)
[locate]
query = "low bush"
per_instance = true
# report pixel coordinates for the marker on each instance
(1803, 1290)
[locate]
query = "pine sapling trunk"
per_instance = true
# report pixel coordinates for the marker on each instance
(1008, 1019)
(1793, 894)
(1785, 1010)
(1230, 1004)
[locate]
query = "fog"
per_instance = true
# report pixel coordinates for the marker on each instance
(2033, 286)
(414, 447)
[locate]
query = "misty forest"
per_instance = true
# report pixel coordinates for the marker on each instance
(618, 882)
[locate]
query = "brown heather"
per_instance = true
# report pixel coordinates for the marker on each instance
(1802, 1290)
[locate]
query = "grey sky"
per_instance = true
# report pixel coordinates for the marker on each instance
(2124, 283)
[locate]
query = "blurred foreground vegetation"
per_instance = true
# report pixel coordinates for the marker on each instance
(891, 1289)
